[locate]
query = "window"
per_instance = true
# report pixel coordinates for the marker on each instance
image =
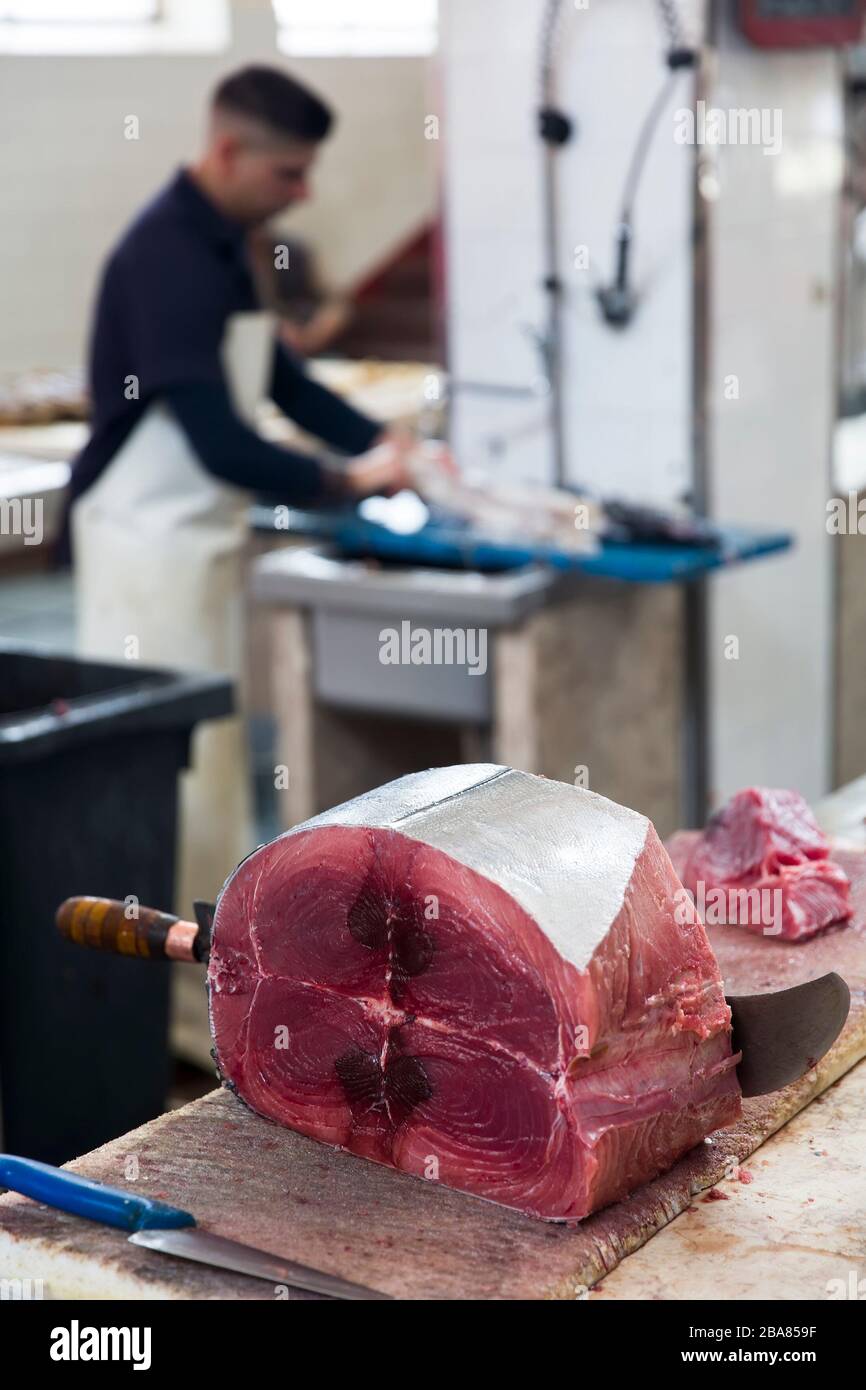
(356, 28)
(114, 26)
(78, 11)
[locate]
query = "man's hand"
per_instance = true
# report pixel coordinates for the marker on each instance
(383, 469)
(434, 455)
(388, 466)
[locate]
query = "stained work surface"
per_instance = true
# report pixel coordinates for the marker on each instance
(251, 1180)
(792, 1224)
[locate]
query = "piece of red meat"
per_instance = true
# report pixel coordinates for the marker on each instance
(756, 832)
(763, 863)
(477, 976)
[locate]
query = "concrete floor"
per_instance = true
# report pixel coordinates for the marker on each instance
(38, 609)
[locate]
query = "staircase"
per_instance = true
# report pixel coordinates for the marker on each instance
(395, 316)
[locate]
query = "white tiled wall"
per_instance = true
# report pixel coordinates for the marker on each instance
(627, 394)
(774, 233)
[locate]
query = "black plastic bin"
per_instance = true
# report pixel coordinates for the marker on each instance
(89, 758)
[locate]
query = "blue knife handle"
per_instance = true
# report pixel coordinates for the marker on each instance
(69, 1192)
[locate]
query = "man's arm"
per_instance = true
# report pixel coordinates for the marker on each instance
(177, 334)
(236, 454)
(233, 452)
(318, 410)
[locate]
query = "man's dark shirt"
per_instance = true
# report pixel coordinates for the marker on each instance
(168, 289)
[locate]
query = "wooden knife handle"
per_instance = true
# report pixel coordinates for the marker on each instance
(107, 925)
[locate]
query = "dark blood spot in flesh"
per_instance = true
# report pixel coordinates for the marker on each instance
(410, 954)
(366, 920)
(360, 1076)
(394, 927)
(407, 1085)
(403, 1084)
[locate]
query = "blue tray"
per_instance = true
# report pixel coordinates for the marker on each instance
(445, 544)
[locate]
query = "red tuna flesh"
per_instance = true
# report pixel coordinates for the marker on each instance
(480, 977)
(763, 863)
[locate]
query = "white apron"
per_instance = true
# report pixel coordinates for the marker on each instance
(159, 550)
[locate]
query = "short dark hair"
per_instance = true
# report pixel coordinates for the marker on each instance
(276, 101)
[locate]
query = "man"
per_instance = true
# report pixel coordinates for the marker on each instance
(180, 357)
(179, 274)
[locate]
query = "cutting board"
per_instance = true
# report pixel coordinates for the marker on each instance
(246, 1178)
(790, 1225)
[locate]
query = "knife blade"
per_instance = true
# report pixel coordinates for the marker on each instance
(192, 1243)
(166, 1229)
(782, 1035)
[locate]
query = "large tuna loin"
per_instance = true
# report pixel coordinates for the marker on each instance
(479, 977)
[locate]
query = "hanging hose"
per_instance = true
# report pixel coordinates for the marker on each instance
(618, 301)
(555, 129)
(670, 19)
(554, 126)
